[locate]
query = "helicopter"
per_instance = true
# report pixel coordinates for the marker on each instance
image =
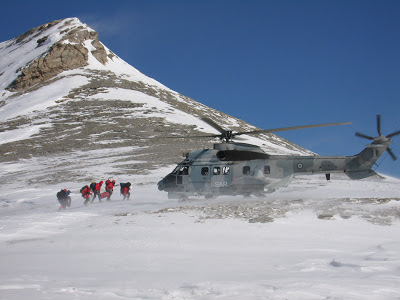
(233, 168)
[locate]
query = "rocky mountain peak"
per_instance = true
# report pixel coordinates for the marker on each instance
(69, 52)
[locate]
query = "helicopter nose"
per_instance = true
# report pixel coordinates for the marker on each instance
(160, 185)
(167, 183)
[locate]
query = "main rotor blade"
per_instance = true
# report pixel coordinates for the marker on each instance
(364, 136)
(393, 134)
(291, 128)
(191, 136)
(378, 124)
(214, 125)
(391, 153)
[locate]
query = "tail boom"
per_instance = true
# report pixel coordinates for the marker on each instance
(356, 167)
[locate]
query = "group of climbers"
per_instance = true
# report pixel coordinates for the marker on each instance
(89, 193)
(93, 191)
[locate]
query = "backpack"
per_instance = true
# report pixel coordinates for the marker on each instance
(125, 185)
(81, 190)
(61, 195)
(121, 185)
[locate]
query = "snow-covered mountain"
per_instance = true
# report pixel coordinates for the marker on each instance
(71, 112)
(69, 104)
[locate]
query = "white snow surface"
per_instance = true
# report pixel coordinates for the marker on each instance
(151, 247)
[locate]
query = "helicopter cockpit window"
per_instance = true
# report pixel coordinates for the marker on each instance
(204, 171)
(246, 170)
(217, 171)
(226, 170)
(267, 170)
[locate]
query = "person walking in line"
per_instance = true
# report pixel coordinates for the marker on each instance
(125, 190)
(97, 191)
(63, 198)
(86, 194)
(110, 188)
(93, 188)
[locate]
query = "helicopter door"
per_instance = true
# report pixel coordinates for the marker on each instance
(181, 176)
(200, 177)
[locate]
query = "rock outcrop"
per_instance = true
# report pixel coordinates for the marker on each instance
(67, 54)
(61, 57)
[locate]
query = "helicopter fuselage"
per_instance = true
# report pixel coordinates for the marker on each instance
(244, 169)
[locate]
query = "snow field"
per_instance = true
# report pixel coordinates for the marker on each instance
(139, 249)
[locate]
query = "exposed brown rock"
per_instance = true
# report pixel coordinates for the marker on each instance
(100, 52)
(67, 54)
(61, 57)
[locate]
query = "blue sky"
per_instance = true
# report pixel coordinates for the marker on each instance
(270, 63)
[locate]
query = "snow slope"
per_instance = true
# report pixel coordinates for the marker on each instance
(322, 240)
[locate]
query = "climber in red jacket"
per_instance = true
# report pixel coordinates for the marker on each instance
(86, 194)
(97, 191)
(110, 188)
(125, 190)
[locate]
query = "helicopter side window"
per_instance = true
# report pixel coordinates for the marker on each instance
(267, 169)
(217, 171)
(183, 171)
(246, 170)
(204, 171)
(226, 170)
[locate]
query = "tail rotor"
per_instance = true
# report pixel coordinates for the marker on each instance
(391, 153)
(380, 139)
(378, 123)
